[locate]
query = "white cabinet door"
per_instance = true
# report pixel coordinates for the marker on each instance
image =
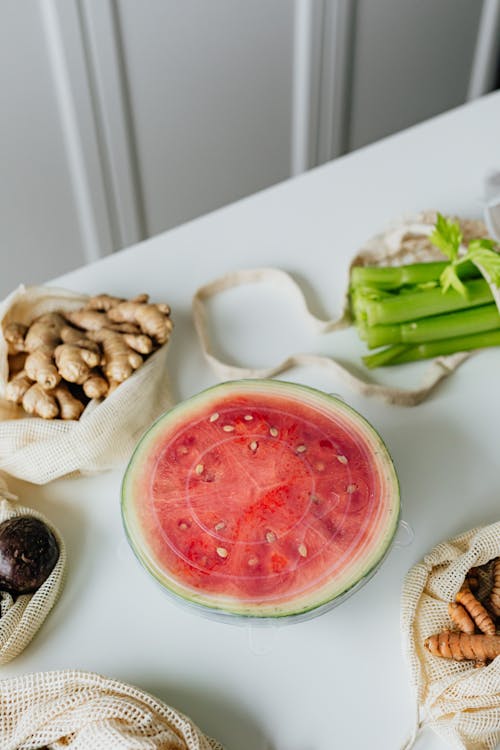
(39, 227)
(411, 61)
(210, 89)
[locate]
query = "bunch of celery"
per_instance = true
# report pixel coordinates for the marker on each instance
(429, 309)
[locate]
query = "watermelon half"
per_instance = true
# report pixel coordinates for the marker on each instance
(261, 498)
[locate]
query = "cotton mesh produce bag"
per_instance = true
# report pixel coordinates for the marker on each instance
(40, 450)
(85, 711)
(459, 702)
(405, 241)
(21, 618)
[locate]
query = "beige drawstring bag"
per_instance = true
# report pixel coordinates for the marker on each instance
(40, 450)
(405, 242)
(20, 619)
(458, 701)
(84, 711)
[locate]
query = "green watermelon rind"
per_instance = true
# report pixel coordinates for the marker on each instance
(231, 607)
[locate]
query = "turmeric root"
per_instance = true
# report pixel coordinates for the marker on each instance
(75, 363)
(120, 360)
(39, 402)
(17, 387)
(461, 618)
(463, 646)
(14, 334)
(494, 600)
(476, 610)
(40, 368)
(69, 406)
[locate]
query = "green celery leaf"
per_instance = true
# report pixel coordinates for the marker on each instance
(481, 252)
(446, 236)
(449, 278)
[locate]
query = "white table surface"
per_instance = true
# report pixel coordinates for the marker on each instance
(339, 680)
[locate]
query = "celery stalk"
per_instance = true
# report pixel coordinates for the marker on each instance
(400, 354)
(392, 277)
(449, 325)
(447, 346)
(401, 308)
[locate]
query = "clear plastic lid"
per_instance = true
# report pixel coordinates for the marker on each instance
(261, 499)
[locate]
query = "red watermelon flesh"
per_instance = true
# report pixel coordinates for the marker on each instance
(260, 498)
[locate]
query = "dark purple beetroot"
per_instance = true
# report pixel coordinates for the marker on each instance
(28, 553)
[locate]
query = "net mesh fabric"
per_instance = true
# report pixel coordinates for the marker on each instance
(20, 619)
(404, 242)
(460, 702)
(39, 450)
(83, 710)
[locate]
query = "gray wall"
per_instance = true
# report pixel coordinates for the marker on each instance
(122, 118)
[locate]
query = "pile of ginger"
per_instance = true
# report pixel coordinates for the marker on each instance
(64, 359)
(476, 616)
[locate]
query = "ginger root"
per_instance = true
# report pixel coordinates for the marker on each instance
(96, 385)
(17, 387)
(70, 407)
(96, 347)
(75, 363)
(462, 646)
(44, 332)
(40, 368)
(14, 335)
(120, 360)
(40, 402)
(153, 319)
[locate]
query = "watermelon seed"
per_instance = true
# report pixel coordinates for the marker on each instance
(301, 448)
(320, 466)
(253, 561)
(271, 537)
(214, 417)
(315, 499)
(183, 526)
(342, 459)
(253, 445)
(183, 449)
(351, 488)
(228, 428)
(274, 432)
(219, 526)
(222, 552)
(302, 550)
(199, 469)
(248, 417)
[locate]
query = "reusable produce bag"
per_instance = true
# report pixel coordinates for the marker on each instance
(459, 702)
(40, 450)
(84, 711)
(404, 242)
(20, 619)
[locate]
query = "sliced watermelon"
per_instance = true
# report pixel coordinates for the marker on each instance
(260, 498)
